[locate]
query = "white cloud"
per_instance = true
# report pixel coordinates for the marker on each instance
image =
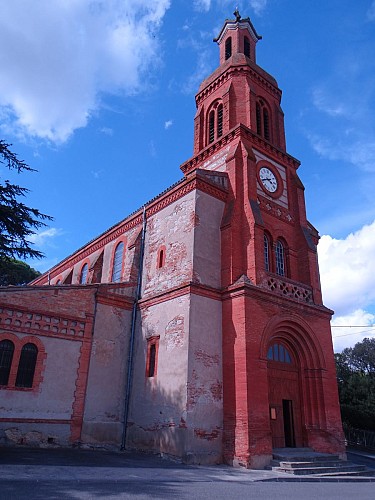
(352, 328)
(359, 152)
(202, 5)
(258, 5)
(347, 268)
(324, 103)
(106, 131)
(371, 12)
(168, 124)
(59, 57)
(44, 237)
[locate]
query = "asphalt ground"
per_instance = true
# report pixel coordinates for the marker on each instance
(36, 474)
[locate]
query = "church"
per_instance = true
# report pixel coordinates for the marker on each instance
(194, 327)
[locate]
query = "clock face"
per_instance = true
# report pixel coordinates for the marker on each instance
(268, 179)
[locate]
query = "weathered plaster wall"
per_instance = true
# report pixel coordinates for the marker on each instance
(158, 405)
(173, 228)
(104, 401)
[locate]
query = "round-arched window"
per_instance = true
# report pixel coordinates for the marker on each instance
(278, 352)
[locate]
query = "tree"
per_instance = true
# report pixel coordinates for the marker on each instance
(16, 272)
(355, 368)
(17, 221)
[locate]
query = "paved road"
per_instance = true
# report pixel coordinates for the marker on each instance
(81, 474)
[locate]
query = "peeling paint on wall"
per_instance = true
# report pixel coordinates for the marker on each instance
(207, 359)
(174, 333)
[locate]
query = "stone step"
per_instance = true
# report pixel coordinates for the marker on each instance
(323, 463)
(321, 470)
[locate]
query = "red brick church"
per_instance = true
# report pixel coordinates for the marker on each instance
(194, 327)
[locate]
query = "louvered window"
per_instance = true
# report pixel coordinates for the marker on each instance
(259, 119)
(6, 356)
(266, 124)
(26, 367)
(228, 48)
(117, 262)
(211, 126)
(246, 47)
(220, 120)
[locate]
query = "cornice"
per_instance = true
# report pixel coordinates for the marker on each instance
(233, 71)
(239, 131)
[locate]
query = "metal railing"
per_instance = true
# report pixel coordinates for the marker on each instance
(360, 438)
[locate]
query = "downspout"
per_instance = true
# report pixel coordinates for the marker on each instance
(129, 373)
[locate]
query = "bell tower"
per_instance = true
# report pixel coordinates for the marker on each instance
(279, 382)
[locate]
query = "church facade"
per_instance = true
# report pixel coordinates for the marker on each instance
(195, 327)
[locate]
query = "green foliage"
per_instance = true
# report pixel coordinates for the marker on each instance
(17, 220)
(355, 368)
(16, 272)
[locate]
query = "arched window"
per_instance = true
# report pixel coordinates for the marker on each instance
(215, 122)
(117, 262)
(266, 253)
(263, 120)
(84, 272)
(228, 48)
(58, 282)
(280, 258)
(26, 366)
(6, 356)
(211, 125)
(246, 46)
(277, 352)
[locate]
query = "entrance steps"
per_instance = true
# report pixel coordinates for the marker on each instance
(305, 461)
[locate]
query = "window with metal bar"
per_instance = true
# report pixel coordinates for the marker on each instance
(266, 124)
(117, 262)
(6, 357)
(280, 259)
(266, 253)
(26, 366)
(259, 119)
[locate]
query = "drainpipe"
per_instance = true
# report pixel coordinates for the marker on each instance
(129, 373)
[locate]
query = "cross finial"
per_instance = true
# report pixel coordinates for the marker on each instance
(237, 14)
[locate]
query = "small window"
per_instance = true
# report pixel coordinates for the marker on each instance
(266, 124)
(152, 356)
(277, 352)
(6, 357)
(117, 262)
(280, 259)
(228, 48)
(259, 119)
(84, 272)
(246, 46)
(161, 258)
(266, 253)
(26, 367)
(263, 120)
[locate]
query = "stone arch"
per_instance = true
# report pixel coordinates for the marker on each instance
(300, 385)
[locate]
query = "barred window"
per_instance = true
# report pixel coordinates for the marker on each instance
(266, 253)
(280, 259)
(211, 126)
(6, 357)
(26, 366)
(246, 46)
(117, 262)
(228, 48)
(220, 120)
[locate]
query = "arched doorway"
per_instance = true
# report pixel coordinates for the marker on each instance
(284, 396)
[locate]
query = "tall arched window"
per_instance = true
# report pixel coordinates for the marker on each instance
(84, 272)
(6, 356)
(277, 352)
(215, 122)
(246, 46)
(26, 366)
(280, 258)
(263, 120)
(228, 48)
(266, 253)
(117, 262)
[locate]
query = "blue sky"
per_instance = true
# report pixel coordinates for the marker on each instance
(98, 96)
